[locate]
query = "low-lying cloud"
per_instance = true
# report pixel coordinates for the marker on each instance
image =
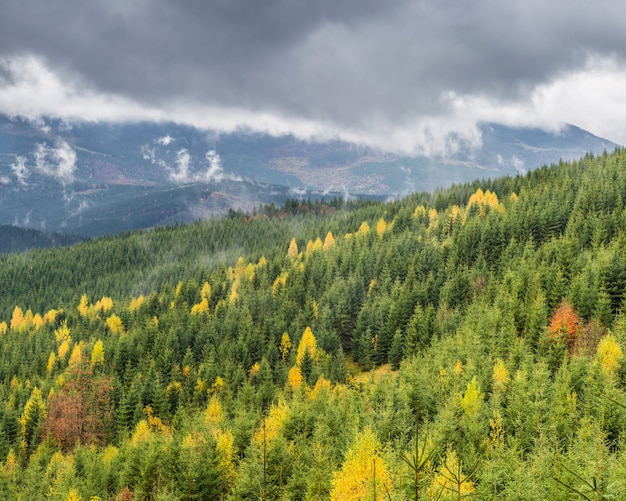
(58, 161)
(184, 168)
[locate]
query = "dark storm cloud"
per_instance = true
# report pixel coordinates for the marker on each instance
(347, 63)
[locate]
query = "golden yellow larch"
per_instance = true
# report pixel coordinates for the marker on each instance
(381, 227)
(318, 244)
(309, 247)
(205, 292)
(484, 200)
(17, 318)
(109, 454)
(217, 385)
(449, 480)
(273, 424)
(3, 328)
(62, 333)
(262, 262)
(248, 272)
(10, 465)
(609, 355)
(292, 252)
(329, 241)
(433, 216)
(97, 354)
(285, 346)
(64, 348)
(213, 414)
(254, 370)
(513, 197)
(472, 398)
(35, 408)
(51, 361)
(76, 358)
(136, 303)
(322, 385)
(73, 496)
(200, 386)
(104, 304)
(281, 280)
(234, 295)
(28, 321)
(179, 288)
(51, 316)
(225, 444)
(316, 309)
(83, 305)
(500, 375)
(114, 323)
(294, 378)
(355, 481)
(201, 308)
(420, 211)
(141, 434)
(458, 368)
(307, 343)
(371, 286)
(364, 229)
(38, 321)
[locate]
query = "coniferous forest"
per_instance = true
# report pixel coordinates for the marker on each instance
(463, 344)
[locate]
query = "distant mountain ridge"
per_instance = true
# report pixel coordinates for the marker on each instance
(15, 239)
(99, 178)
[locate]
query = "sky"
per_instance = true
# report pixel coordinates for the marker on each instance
(403, 75)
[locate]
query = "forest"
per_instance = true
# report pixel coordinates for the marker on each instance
(462, 344)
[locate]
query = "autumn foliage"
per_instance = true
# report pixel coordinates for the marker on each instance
(564, 324)
(81, 411)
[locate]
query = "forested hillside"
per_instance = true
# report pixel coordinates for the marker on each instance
(462, 345)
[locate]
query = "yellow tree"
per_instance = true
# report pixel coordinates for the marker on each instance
(285, 346)
(364, 229)
(114, 323)
(294, 378)
(83, 305)
(609, 355)
(97, 354)
(33, 415)
(292, 252)
(381, 227)
(364, 474)
(17, 318)
(307, 343)
(200, 308)
(136, 303)
(205, 293)
(329, 241)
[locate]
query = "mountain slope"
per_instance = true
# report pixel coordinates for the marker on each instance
(98, 178)
(307, 354)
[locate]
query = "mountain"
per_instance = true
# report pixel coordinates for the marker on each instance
(469, 339)
(16, 239)
(100, 178)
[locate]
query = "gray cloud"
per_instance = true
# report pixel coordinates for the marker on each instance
(357, 66)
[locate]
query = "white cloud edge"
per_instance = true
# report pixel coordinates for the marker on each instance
(591, 97)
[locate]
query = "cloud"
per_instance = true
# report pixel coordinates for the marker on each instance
(58, 161)
(410, 75)
(183, 168)
(20, 170)
(180, 174)
(165, 140)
